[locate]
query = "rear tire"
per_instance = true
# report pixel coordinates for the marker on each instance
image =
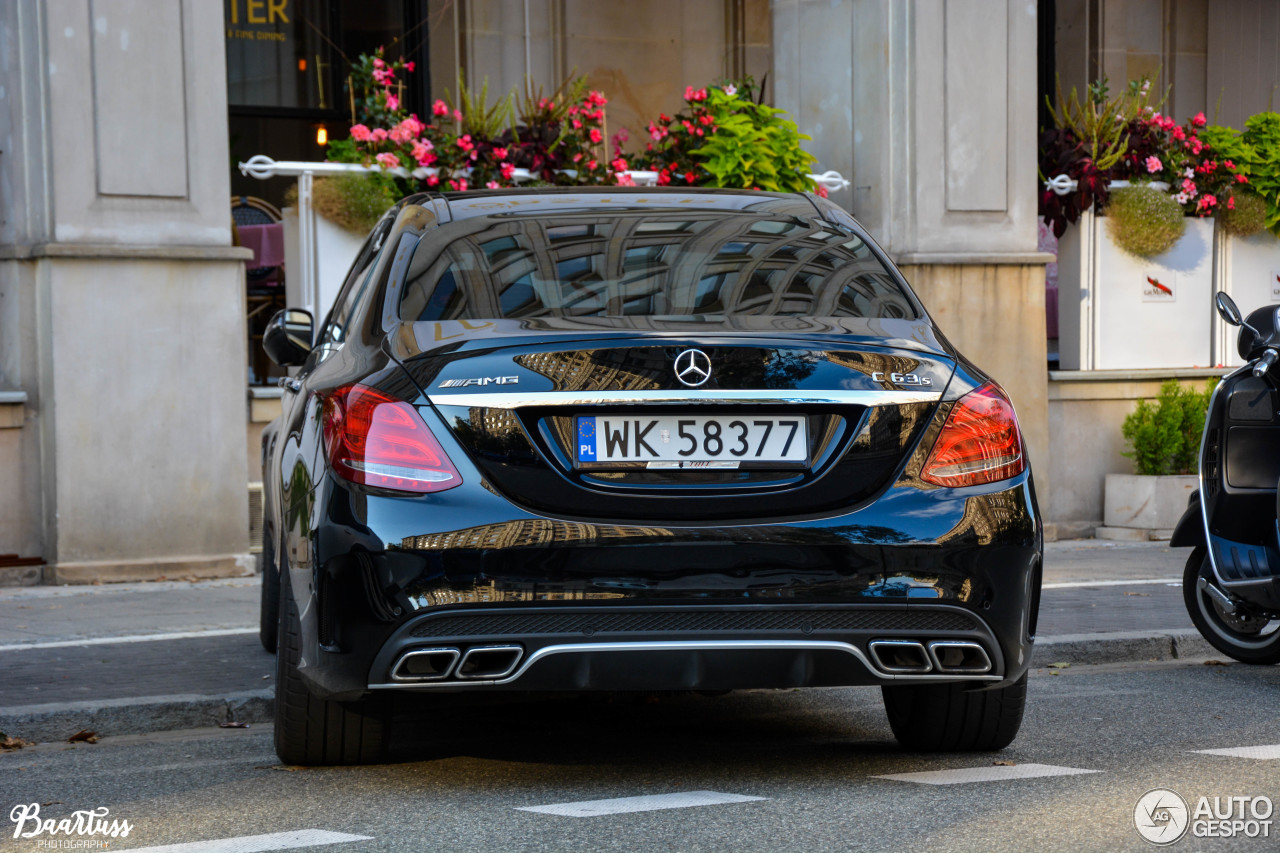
(314, 731)
(269, 606)
(953, 718)
(1249, 639)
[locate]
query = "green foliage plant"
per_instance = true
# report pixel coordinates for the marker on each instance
(480, 118)
(354, 201)
(1244, 214)
(1262, 134)
(1164, 436)
(1144, 221)
(724, 138)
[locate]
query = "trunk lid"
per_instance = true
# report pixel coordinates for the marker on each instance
(849, 398)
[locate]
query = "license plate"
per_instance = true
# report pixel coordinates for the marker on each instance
(692, 441)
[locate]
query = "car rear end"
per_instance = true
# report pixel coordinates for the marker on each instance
(649, 493)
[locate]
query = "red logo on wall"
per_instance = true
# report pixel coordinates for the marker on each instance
(1159, 288)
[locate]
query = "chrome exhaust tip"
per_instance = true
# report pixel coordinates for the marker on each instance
(425, 665)
(489, 662)
(959, 657)
(900, 656)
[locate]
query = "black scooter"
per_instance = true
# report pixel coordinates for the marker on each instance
(1231, 584)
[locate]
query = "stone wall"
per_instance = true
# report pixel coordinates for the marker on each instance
(121, 299)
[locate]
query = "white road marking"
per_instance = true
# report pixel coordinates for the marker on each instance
(256, 843)
(1136, 582)
(1260, 752)
(650, 803)
(994, 773)
(130, 638)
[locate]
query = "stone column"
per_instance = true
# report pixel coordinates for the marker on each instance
(121, 298)
(929, 108)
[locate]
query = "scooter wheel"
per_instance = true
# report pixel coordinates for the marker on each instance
(1248, 639)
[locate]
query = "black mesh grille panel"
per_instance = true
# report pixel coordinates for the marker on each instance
(689, 621)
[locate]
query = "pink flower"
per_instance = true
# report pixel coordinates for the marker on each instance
(388, 160)
(689, 92)
(393, 103)
(689, 177)
(1178, 133)
(500, 153)
(459, 184)
(423, 154)
(378, 135)
(440, 109)
(464, 142)
(625, 180)
(1231, 203)
(360, 133)
(595, 134)
(654, 132)
(577, 124)
(1189, 187)
(378, 63)
(1205, 202)
(1153, 164)
(409, 66)
(732, 90)
(1182, 198)
(577, 158)
(1241, 179)
(1199, 120)
(1229, 165)
(457, 115)
(821, 191)
(507, 171)
(433, 180)
(401, 134)
(493, 185)
(591, 165)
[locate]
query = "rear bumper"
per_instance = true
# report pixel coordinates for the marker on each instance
(590, 606)
(684, 647)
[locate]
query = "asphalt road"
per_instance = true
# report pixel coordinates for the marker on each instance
(813, 758)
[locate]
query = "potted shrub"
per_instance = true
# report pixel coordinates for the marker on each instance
(1134, 293)
(1164, 443)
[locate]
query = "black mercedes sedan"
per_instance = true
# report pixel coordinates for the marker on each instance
(631, 439)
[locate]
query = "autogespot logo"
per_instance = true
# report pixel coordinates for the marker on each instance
(1161, 816)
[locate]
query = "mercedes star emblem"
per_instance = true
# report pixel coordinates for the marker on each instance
(693, 367)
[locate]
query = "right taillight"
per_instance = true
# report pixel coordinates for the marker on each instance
(980, 442)
(377, 440)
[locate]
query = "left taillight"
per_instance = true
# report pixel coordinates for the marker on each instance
(980, 442)
(377, 440)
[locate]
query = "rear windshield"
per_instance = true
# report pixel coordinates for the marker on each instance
(646, 263)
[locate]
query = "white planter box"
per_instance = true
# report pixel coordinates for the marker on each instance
(1248, 269)
(1147, 503)
(1113, 316)
(336, 250)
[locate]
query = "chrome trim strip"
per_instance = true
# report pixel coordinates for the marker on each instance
(933, 655)
(929, 662)
(419, 679)
(684, 397)
(694, 645)
(1204, 492)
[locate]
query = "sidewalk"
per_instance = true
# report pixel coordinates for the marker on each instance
(128, 658)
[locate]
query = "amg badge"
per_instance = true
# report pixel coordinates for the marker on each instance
(479, 380)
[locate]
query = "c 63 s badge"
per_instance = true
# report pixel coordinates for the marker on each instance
(478, 381)
(902, 379)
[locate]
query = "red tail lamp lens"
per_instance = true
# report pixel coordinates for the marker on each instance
(380, 441)
(980, 442)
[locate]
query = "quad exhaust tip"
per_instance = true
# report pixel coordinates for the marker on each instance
(425, 665)
(946, 657)
(489, 662)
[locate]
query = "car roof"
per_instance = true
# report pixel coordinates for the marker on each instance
(465, 205)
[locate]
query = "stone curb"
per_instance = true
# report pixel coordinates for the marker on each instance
(1121, 647)
(141, 715)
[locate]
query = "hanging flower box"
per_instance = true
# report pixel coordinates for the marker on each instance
(1118, 311)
